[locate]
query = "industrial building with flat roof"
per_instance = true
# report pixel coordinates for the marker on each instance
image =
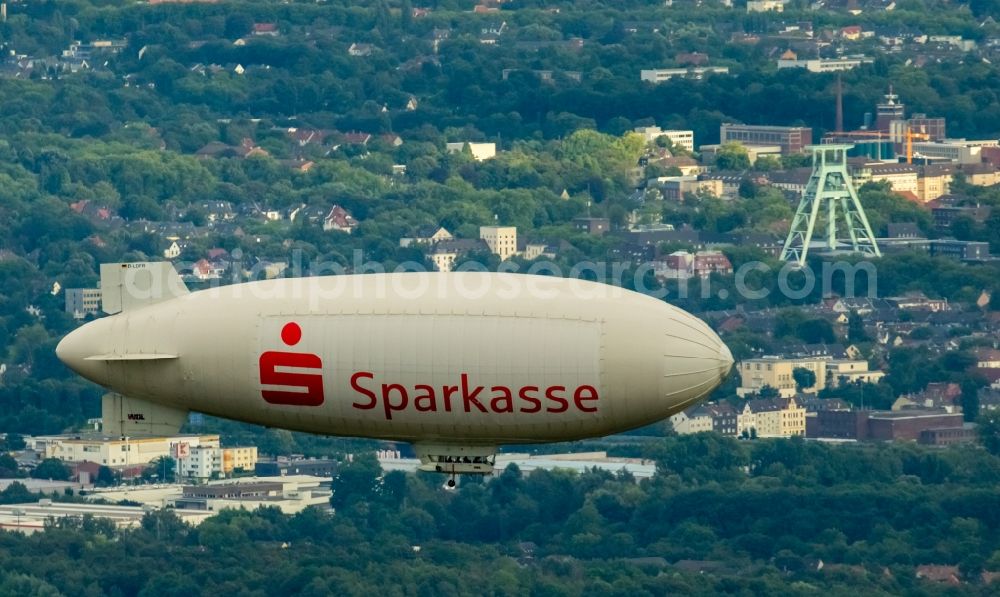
(791, 139)
(289, 494)
(924, 426)
(30, 518)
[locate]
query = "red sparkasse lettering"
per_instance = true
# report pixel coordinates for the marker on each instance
(311, 383)
(579, 398)
(468, 400)
(504, 397)
(448, 392)
(523, 394)
(425, 402)
(550, 393)
(398, 397)
(387, 389)
(357, 388)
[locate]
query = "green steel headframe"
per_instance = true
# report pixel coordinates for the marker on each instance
(829, 186)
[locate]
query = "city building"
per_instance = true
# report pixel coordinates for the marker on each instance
(958, 151)
(772, 417)
(766, 5)
(592, 226)
(945, 216)
(948, 436)
(963, 250)
(502, 240)
(426, 236)
(677, 188)
(824, 65)
(908, 425)
(116, 452)
(901, 177)
(290, 495)
(847, 371)
(695, 420)
(285, 467)
(932, 427)
(210, 462)
(444, 253)
(709, 152)
(660, 75)
(889, 111)
(934, 128)
(681, 265)
(29, 518)
(718, 417)
(776, 373)
(843, 424)
(791, 139)
(683, 139)
(81, 302)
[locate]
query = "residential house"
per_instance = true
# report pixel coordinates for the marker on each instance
(444, 253)
(93, 211)
(304, 137)
(695, 420)
(681, 265)
(311, 213)
(426, 235)
(479, 151)
(217, 149)
(268, 29)
(217, 211)
(987, 358)
(847, 371)
(357, 138)
(340, 219)
(936, 396)
(173, 250)
(766, 5)
(360, 50)
(724, 418)
(204, 270)
(772, 417)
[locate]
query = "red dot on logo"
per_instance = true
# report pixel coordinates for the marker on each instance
(291, 334)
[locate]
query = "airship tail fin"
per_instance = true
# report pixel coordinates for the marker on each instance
(127, 286)
(130, 417)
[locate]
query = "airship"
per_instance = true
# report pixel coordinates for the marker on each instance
(456, 363)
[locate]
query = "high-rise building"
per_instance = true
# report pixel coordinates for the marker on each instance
(81, 302)
(889, 110)
(502, 240)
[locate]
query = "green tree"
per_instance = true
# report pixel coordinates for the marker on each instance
(8, 466)
(989, 431)
(51, 468)
(856, 327)
(357, 481)
(732, 156)
(804, 378)
(162, 468)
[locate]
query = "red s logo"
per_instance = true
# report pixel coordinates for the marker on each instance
(311, 383)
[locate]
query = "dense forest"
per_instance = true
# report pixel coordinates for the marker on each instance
(720, 517)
